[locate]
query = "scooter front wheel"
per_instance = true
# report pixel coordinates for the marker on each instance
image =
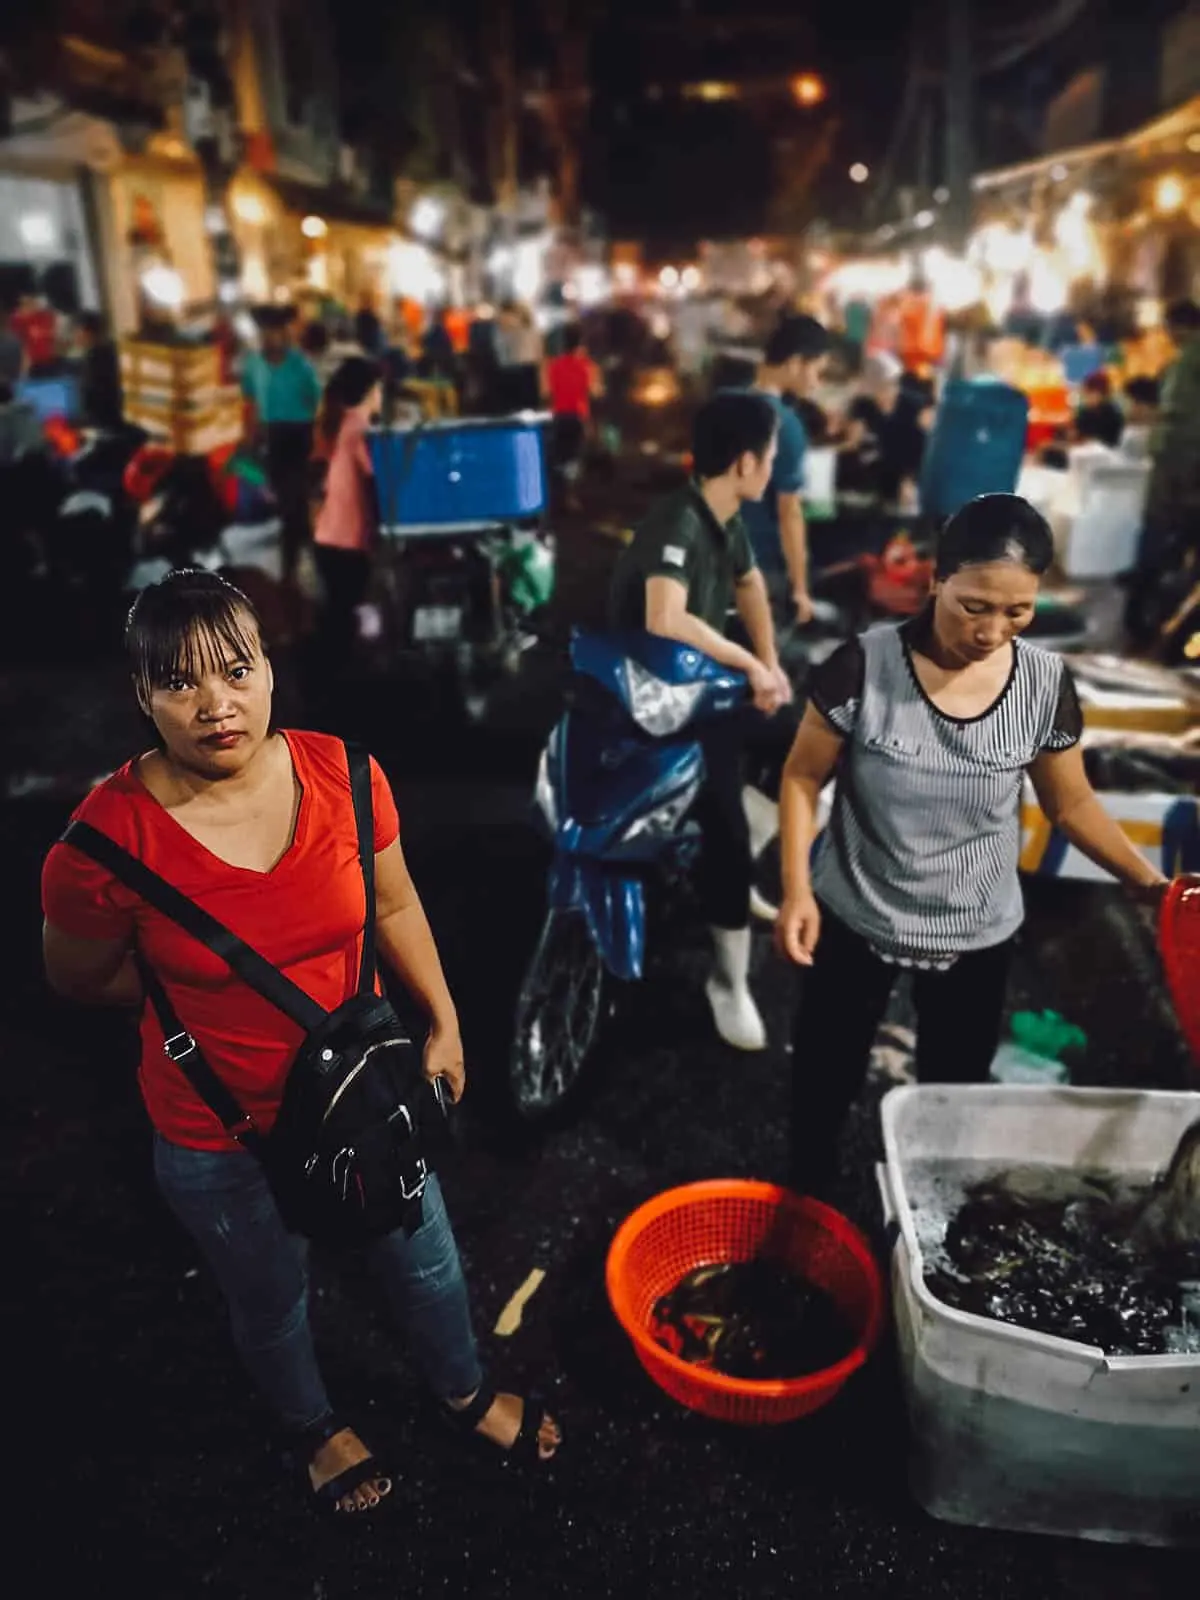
(559, 1011)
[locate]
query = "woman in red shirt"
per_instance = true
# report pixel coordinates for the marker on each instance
(257, 827)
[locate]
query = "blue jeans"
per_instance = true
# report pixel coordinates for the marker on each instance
(224, 1202)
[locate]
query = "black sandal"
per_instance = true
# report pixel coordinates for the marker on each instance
(524, 1450)
(334, 1490)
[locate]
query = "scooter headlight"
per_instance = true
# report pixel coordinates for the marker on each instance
(659, 708)
(663, 822)
(543, 793)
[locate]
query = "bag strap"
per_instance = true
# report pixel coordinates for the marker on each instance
(253, 969)
(183, 1050)
(359, 764)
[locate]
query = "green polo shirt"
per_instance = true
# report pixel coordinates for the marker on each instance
(285, 391)
(681, 538)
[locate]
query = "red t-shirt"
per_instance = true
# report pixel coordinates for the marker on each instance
(569, 379)
(305, 916)
(38, 332)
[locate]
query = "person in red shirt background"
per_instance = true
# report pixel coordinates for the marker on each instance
(36, 325)
(570, 382)
(256, 826)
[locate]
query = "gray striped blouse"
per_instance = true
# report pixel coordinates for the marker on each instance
(920, 856)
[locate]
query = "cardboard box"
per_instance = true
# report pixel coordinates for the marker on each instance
(191, 430)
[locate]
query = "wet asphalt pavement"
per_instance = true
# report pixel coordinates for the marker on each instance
(149, 1466)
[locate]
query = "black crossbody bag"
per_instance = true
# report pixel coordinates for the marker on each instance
(346, 1157)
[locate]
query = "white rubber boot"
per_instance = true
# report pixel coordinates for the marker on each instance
(763, 817)
(734, 1012)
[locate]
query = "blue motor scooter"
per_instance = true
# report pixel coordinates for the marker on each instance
(616, 784)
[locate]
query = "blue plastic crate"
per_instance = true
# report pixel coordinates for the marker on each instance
(1080, 361)
(51, 397)
(976, 446)
(461, 472)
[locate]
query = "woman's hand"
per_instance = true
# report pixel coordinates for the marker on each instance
(784, 684)
(1150, 893)
(802, 601)
(798, 927)
(444, 1059)
(765, 688)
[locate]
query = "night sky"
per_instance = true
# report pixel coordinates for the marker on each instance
(660, 168)
(669, 171)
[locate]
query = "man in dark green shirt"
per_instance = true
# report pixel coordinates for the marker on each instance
(687, 567)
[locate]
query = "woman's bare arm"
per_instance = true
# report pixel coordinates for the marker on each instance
(96, 972)
(406, 945)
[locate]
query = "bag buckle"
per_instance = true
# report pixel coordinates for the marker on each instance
(242, 1128)
(178, 1046)
(418, 1188)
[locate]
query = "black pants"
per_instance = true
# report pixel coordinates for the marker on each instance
(843, 998)
(289, 453)
(344, 576)
(739, 747)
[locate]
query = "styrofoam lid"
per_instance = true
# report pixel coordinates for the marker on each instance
(1179, 940)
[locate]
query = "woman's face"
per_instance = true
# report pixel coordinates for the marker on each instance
(981, 609)
(215, 713)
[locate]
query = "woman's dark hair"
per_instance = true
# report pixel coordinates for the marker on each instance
(1098, 384)
(732, 423)
(187, 622)
(91, 322)
(572, 338)
(995, 527)
(797, 336)
(349, 387)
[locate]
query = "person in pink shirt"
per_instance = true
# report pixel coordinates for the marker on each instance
(345, 524)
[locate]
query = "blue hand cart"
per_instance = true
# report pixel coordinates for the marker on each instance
(466, 553)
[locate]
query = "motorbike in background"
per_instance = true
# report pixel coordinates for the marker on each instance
(466, 562)
(616, 785)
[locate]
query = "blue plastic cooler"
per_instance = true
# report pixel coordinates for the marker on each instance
(976, 446)
(459, 472)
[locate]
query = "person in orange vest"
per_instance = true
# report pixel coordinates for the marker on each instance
(457, 324)
(922, 331)
(412, 315)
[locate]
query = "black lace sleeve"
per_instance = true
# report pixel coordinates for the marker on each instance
(836, 686)
(1067, 728)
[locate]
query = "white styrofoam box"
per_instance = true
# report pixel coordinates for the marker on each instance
(1017, 1429)
(1164, 827)
(1103, 536)
(820, 476)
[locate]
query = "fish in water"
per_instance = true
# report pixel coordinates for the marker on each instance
(1169, 1220)
(751, 1319)
(1080, 1255)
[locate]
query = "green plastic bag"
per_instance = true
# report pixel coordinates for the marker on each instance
(527, 569)
(248, 468)
(1047, 1034)
(1034, 1053)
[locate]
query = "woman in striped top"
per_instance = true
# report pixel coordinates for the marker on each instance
(930, 728)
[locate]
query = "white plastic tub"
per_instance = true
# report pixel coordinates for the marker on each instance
(1016, 1429)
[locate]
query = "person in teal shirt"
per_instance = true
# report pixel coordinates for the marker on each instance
(283, 396)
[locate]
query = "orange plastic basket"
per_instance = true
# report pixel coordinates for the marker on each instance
(737, 1220)
(1179, 940)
